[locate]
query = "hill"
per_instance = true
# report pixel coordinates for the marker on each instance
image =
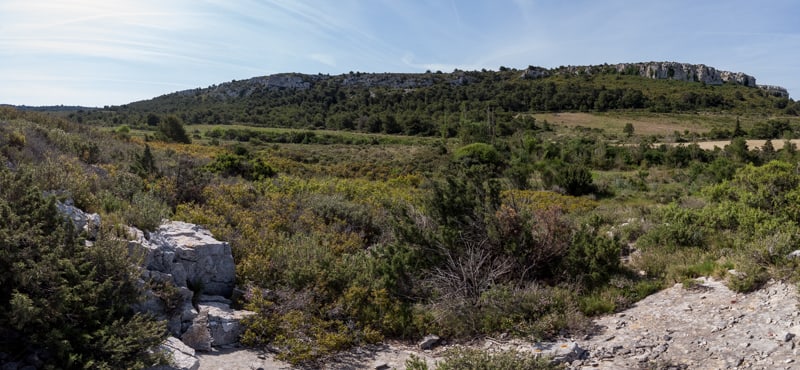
(435, 102)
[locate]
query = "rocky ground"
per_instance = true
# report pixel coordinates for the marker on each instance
(703, 327)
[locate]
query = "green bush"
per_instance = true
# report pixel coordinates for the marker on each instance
(146, 211)
(475, 359)
(573, 179)
(69, 302)
(171, 129)
(591, 259)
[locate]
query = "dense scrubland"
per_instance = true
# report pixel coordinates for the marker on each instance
(358, 215)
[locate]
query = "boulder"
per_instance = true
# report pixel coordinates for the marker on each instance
(181, 356)
(429, 342)
(198, 335)
(191, 255)
(224, 323)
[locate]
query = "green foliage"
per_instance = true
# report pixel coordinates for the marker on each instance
(145, 165)
(628, 130)
(16, 139)
(574, 180)
(591, 259)
(171, 129)
(241, 164)
(146, 211)
(58, 296)
(475, 359)
(477, 154)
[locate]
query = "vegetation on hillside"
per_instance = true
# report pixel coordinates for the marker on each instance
(437, 104)
(496, 221)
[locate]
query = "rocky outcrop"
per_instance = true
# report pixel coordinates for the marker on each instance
(685, 72)
(775, 90)
(88, 223)
(224, 323)
(184, 264)
(535, 72)
(188, 255)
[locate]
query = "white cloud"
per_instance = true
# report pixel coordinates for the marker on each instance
(326, 59)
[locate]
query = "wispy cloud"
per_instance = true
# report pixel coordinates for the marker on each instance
(138, 47)
(326, 59)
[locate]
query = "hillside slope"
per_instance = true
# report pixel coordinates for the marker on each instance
(433, 103)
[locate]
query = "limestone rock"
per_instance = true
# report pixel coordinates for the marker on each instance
(182, 356)
(198, 335)
(429, 342)
(224, 323)
(535, 72)
(566, 352)
(189, 254)
(686, 72)
(83, 222)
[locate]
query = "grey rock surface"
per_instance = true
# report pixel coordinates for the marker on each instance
(182, 356)
(563, 352)
(429, 341)
(198, 335)
(723, 330)
(193, 256)
(224, 323)
(83, 221)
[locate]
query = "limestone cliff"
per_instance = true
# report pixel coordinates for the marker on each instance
(686, 72)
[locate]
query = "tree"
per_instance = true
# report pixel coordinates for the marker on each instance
(628, 129)
(145, 164)
(171, 129)
(153, 120)
(737, 131)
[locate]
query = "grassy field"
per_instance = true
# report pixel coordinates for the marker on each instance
(645, 123)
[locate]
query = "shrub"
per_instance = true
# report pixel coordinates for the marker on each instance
(16, 139)
(171, 129)
(69, 301)
(146, 211)
(474, 359)
(573, 179)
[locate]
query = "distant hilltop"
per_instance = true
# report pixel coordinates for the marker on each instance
(655, 70)
(663, 71)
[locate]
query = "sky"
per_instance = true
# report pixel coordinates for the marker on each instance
(113, 52)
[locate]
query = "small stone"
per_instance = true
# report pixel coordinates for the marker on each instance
(382, 366)
(789, 360)
(429, 342)
(787, 336)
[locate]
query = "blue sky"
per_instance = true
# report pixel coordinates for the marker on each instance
(110, 52)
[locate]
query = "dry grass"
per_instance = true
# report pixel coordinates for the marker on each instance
(642, 124)
(647, 123)
(753, 143)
